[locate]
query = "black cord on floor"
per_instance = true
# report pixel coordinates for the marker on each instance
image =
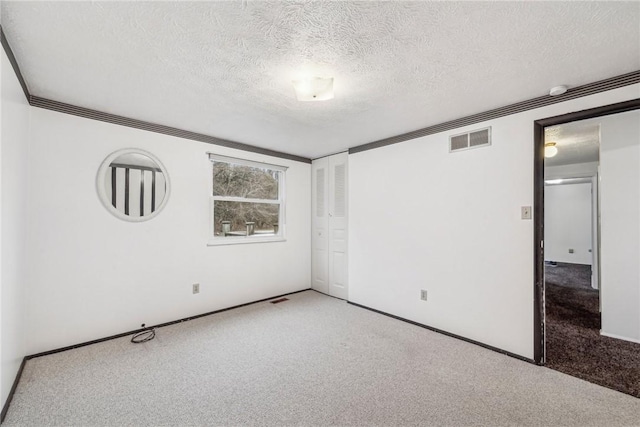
(144, 336)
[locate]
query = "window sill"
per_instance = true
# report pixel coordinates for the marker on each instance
(220, 241)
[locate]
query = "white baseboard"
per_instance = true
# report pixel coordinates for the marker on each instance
(618, 337)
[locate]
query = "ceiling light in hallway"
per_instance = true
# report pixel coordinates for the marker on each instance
(550, 149)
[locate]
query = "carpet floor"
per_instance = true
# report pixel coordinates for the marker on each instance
(312, 360)
(575, 276)
(573, 341)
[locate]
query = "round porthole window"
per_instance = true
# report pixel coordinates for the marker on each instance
(133, 184)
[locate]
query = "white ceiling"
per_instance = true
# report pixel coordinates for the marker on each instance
(577, 142)
(225, 68)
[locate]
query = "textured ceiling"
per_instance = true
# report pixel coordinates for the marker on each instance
(225, 68)
(577, 142)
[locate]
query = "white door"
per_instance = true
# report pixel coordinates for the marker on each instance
(329, 240)
(320, 225)
(338, 225)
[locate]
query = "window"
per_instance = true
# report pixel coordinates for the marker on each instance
(247, 201)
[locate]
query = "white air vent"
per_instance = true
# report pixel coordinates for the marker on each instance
(475, 139)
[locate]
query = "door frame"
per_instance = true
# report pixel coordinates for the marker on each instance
(590, 178)
(538, 208)
(595, 233)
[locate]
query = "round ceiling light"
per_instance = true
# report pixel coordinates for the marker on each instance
(314, 89)
(550, 149)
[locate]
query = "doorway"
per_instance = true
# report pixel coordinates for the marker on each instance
(572, 296)
(587, 291)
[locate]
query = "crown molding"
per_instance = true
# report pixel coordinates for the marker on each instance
(87, 113)
(519, 107)
(74, 110)
(14, 64)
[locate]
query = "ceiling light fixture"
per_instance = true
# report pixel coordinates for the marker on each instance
(314, 89)
(557, 90)
(550, 149)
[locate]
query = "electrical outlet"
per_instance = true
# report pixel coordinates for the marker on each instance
(525, 212)
(423, 295)
(196, 288)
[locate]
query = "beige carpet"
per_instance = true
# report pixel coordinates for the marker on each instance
(313, 360)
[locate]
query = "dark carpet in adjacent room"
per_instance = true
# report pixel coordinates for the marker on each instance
(573, 341)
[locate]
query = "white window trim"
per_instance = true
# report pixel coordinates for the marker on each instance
(282, 222)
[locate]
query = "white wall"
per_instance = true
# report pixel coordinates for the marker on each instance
(94, 275)
(422, 218)
(620, 225)
(13, 226)
(567, 223)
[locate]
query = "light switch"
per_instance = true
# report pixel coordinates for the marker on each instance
(526, 212)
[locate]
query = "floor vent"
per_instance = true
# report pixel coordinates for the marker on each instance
(474, 139)
(275, 301)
